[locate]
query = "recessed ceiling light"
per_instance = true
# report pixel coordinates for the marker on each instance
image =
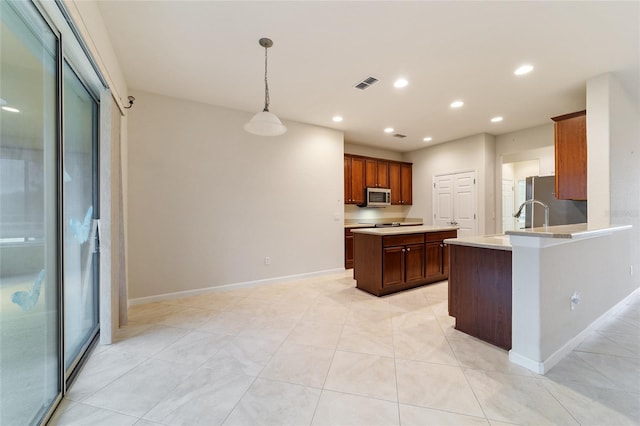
(523, 69)
(388, 130)
(337, 119)
(400, 83)
(427, 139)
(456, 104)
(496, 119)
(10, 109)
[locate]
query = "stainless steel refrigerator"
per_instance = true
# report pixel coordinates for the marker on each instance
(561, 212)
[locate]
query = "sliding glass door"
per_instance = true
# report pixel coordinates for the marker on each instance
(29, 256)
(49, 272)
(80, 210)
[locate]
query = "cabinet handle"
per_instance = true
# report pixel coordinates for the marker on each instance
(403, 250)
(408, 249)
(441, 245)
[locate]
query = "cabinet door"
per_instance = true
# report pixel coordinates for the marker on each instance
(434, 259)
(357, 180)
(392, 266)
(394, 183)
(383, 174)
(348, 252)
(406, 182)
(347, 179)
(371, 173)
(571, 156)
(414, 263)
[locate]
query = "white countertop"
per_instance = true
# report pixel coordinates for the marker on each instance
(400, 230)
(576, 231)
(371, 225)
(496, 242)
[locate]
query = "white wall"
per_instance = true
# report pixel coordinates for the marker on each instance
(208, 201)
(370, 151)
(546, 273)
(471, 153)
(613, 133)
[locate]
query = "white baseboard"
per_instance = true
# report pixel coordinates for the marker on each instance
(543, 367)
(227, 287)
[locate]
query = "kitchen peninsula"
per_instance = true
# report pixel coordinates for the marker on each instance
(387, 260)
(560, 281)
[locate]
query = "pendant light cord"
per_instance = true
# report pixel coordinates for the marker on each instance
(266, 84)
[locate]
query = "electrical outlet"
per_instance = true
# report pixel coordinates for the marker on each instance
(267, 260)
(575, 300)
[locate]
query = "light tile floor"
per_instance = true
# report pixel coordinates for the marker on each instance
(320, 352)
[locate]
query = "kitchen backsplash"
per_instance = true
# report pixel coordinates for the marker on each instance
(355, 214)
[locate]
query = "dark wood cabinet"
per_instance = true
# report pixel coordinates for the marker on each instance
(438, 254)
(354, 180)
(376, 173)
(480, 293)
(406, 184)
(362, 172)
(401, 183)
(403, 264)
(385, 264)
(570, 133)
(348, 249)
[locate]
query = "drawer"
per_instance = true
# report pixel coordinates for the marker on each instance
(441, 235)
(401, 240)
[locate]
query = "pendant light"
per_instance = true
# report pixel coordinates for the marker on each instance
(265, 123)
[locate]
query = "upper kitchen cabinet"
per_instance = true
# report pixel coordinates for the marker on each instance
(354, 179)
(366, 172)
(376, 173)
(571, 156)
(400, 182)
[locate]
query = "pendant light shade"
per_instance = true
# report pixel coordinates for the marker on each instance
(265, 123)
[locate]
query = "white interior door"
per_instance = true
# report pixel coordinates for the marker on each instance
(454, 202)
(443, 200)
(508, 192)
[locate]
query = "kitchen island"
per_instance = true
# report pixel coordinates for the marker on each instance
(387, 260)
(564, 279)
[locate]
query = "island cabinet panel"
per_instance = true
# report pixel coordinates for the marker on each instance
(438, 254)
(435, 262)
(393, 266)
(480, 293)
(414, 268)
(390, 263)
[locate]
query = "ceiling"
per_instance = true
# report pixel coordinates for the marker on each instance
(207, 51)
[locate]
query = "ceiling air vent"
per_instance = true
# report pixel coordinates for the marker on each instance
(366, 83)
(399, 136)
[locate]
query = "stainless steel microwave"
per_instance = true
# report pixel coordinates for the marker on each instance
(377, 197)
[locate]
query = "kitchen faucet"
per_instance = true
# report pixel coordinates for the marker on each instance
(533, 201)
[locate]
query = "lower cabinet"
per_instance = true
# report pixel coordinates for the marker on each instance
(403, 264)
(348, 249)
(386, 264)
